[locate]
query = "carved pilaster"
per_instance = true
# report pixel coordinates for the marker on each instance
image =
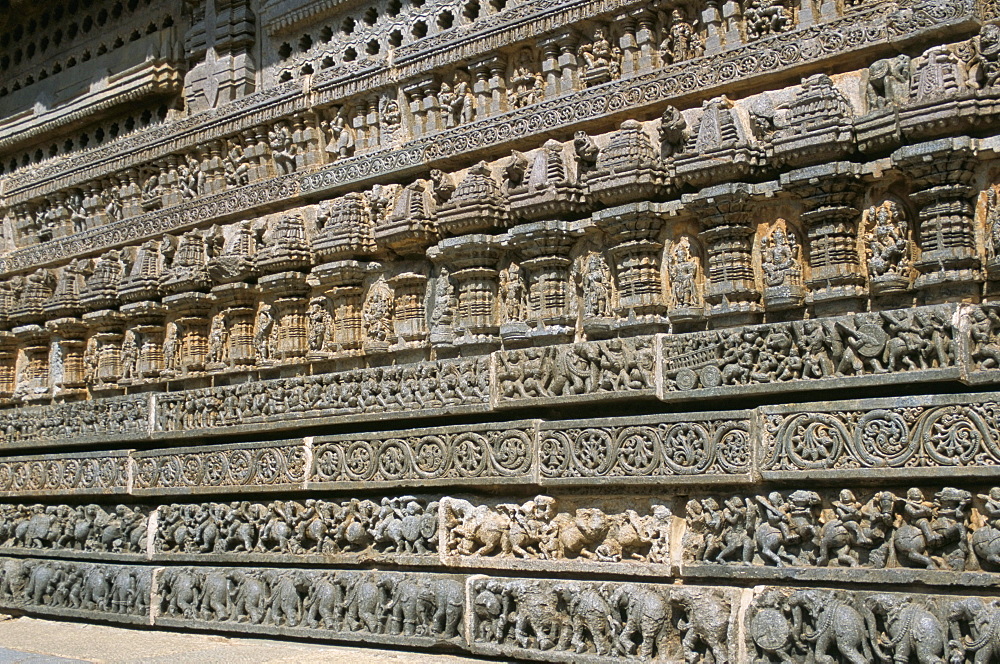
(147, 323)
(544, 249)
(68, 343)
(410, 318)
(8, 364)
(635, 250)
(106, 332)
(944, 192)
(341, 284)
(728, 227)
(191, 311)
(471, 262)
(32, 381)
(830, 194)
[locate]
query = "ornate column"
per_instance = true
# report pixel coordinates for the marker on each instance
(107, 329)
(544, 248)
(8, 364)
(471, 261)
(636, 250)
(418, 115)
(306, 135)
(236, 303)
(191, 317)
(257, 153)
(131, 193)
(628, 41)
(410, 320)
(168, 181)
(288, 292)
(944, 191)
(215, 171)
(429, 89)
(830, 193)
(551, 69)
(569, 63)
(69, 341)
(147, 322)
(33, 382)
(341, 283)
(727, 221)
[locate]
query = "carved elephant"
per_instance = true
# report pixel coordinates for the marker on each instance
(216, 591)
(326, 603)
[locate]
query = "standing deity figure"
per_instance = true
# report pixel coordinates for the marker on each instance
(526, 84)
(993, 222)
(683, 272)
(444, 294)
(282, 147)
(512, 293)
(596, 287)
(129, 355)
(217, 340)
(340, 135)
(457, 101)
(681, 41)
(319, 319)
(262, 333)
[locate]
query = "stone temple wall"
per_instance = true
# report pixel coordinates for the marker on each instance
(571, 331)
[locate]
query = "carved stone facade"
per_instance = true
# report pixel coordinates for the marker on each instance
(572, 331)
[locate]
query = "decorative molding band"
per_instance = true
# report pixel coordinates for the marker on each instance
(885, 25)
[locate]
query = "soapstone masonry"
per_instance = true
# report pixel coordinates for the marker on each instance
(573, 331)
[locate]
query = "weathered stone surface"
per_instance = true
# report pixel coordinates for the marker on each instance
(326, 309)
(120, 593)
(264, 467)
(86, 473)
(406, 609)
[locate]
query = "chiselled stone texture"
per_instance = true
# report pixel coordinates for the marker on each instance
(120, 593)
(263, 467)
(407, 609)
(555, 330)
(87, 473)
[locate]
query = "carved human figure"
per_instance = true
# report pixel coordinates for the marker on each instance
(377, 312)
(512, 294)
(217, 338)
(319, 321)
(596, 284)
(682, 41)
(283, 149)
(526, 84)
(458, 103)
(599, 54)
(682, 268)
(765, 17)
(444, 295)
(392, 119)
(129, 355)
(262, 333)
(236, 164)
(887, 242)
(341, 138)
(780, 259)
